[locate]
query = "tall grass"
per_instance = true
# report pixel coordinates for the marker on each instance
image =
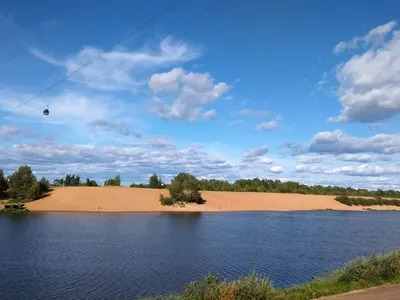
(357, 274)
(358, 201)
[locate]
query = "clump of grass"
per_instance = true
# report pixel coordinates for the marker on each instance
(357, 274)
(359, 201)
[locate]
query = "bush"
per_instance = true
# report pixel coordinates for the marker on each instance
(358, 274)
(166, 200)
(184, 188)
(3, 185)
(23, 185)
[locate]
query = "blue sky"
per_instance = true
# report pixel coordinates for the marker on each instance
(284, 90)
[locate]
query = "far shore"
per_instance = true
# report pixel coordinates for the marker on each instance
(124, 199)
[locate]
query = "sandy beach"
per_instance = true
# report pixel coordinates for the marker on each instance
(124, 199)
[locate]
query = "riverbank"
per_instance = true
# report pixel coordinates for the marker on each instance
(124, 199)
(362, 273)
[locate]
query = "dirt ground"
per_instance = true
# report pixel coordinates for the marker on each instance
(124, 199)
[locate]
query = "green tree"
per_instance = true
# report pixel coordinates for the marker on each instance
(44, 185)
(184, 188)
(91, 182)
(23, 185)
(155, 182)
(3, 185)
(113, 181)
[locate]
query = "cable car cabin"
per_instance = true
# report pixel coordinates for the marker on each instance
(46, 112)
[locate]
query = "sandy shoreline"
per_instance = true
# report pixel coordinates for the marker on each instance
(124, 199)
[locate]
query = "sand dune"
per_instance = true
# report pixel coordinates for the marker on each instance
(123, 199)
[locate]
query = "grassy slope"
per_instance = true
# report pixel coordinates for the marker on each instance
(358, 274)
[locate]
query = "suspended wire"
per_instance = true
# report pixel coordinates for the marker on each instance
(154, 19)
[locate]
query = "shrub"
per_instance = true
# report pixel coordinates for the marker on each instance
(166, 200)
(184, 188)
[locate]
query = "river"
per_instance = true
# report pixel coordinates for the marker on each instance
(128, 256)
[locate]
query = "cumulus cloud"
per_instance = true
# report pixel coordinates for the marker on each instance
(209, 115)
(256, 155)
(190, 92)
(361, 170)
(113, 127)
(374, 36)
(155, 155)
(119, 68)
(369, 83)
(270, 125)
(358, 157)
(8, 132)
(276, 169)
(311, 159)
(256, 152)
(337, 142)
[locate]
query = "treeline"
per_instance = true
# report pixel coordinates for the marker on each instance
(22, 185)
(277, 186)
(357, 201)
(154, 183)
(73, 180)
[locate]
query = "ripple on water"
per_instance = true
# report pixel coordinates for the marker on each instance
(126, 256)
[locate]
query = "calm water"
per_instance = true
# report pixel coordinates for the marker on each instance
(127, 256)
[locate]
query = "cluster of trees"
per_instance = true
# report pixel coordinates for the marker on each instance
(22, 185)
(184, 188)
(277, 186)
(350, 201)
(73, 180)
(116, 181)
(154, 183)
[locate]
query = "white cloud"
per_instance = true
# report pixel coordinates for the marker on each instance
(209, 115)
(276, 169)
(155, 155)
(337, 142)
(311, 159)
(270, 125)
(67, 107)
(246, 112)
(256, 152)
(358, 157)
(113, 127)
(369, 83)
(360, 170)
(190, 91)
(8, 132)
(374, 36)
(120, 67)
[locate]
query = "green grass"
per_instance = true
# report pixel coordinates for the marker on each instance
(14, 209)
(358, 274)
(358, 201)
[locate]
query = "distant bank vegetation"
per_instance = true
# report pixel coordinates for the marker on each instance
(358, 274)
(359, 201)
(12, 186)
